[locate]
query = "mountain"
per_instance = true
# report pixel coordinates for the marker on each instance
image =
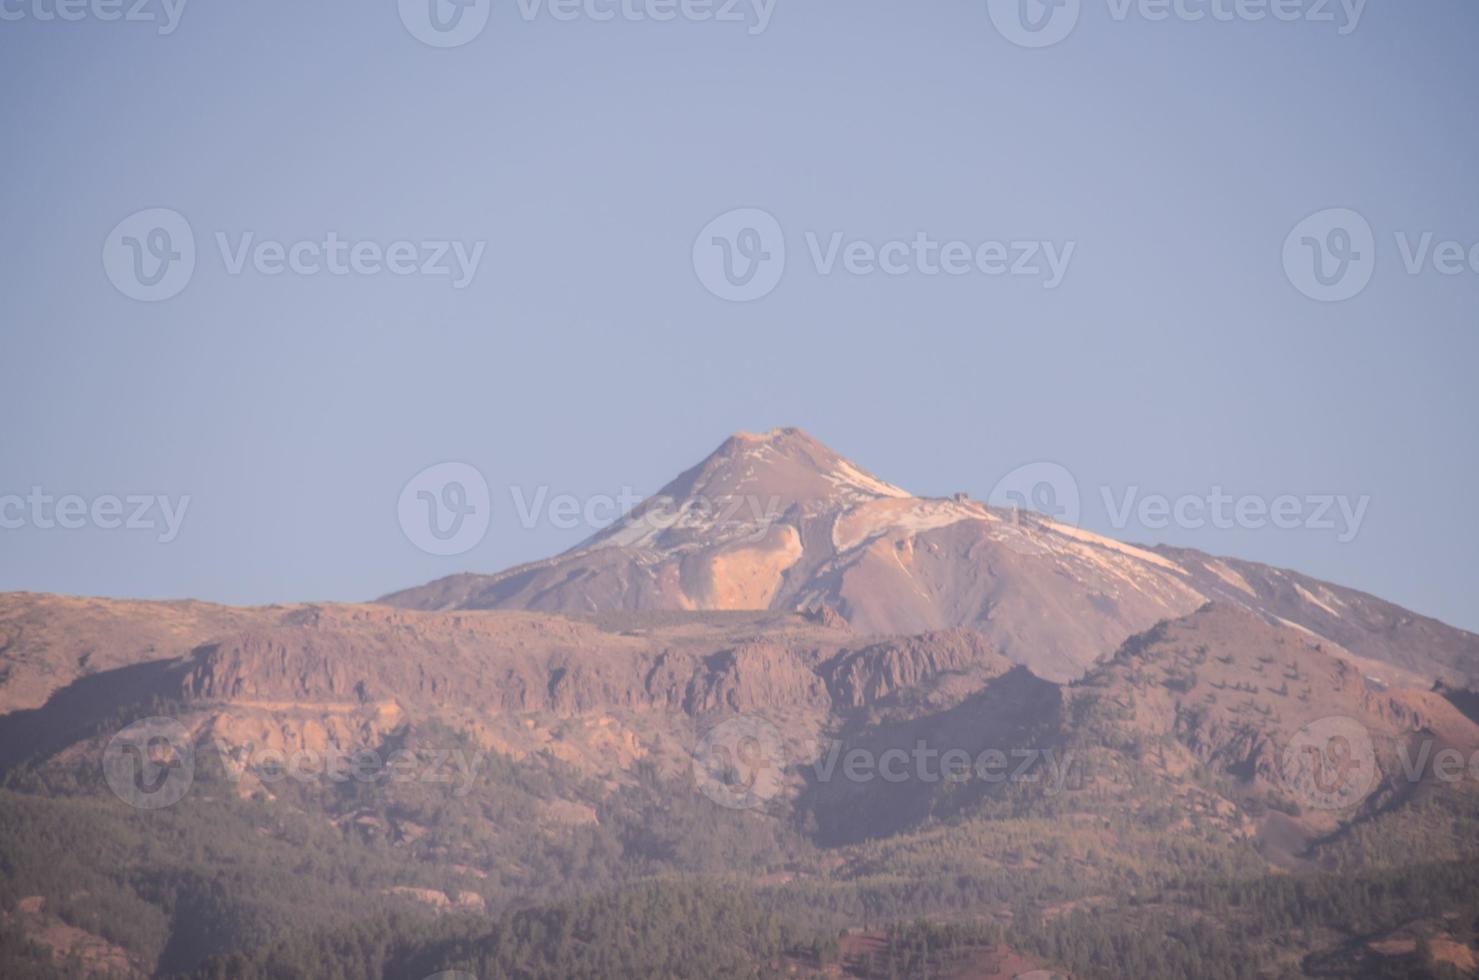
(783, 719)
(780, 522)
(557, 756)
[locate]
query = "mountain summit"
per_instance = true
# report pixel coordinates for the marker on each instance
(742, 489)
(778, 521)
(786, 463)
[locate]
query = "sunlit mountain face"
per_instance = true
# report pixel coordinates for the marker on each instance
(789, 718)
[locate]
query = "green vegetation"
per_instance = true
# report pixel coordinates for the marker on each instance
(1135, 868)
(658, 929)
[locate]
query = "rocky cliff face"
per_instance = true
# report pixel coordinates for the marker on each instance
(315, 677)
(1195, 716)
(510, 663)
(497, 663)
(1222, 673)
(1284, 718)
(875, 673)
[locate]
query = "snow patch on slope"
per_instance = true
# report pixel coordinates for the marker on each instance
(911, 515)
(1311, 598)
(1230, 576)
(1090, 537)
(847, 476)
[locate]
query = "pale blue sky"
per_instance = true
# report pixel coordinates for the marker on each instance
(587, 356)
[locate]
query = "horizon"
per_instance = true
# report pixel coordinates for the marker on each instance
(590, 531)
(596, 530)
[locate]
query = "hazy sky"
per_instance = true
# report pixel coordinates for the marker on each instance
(575, 162)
